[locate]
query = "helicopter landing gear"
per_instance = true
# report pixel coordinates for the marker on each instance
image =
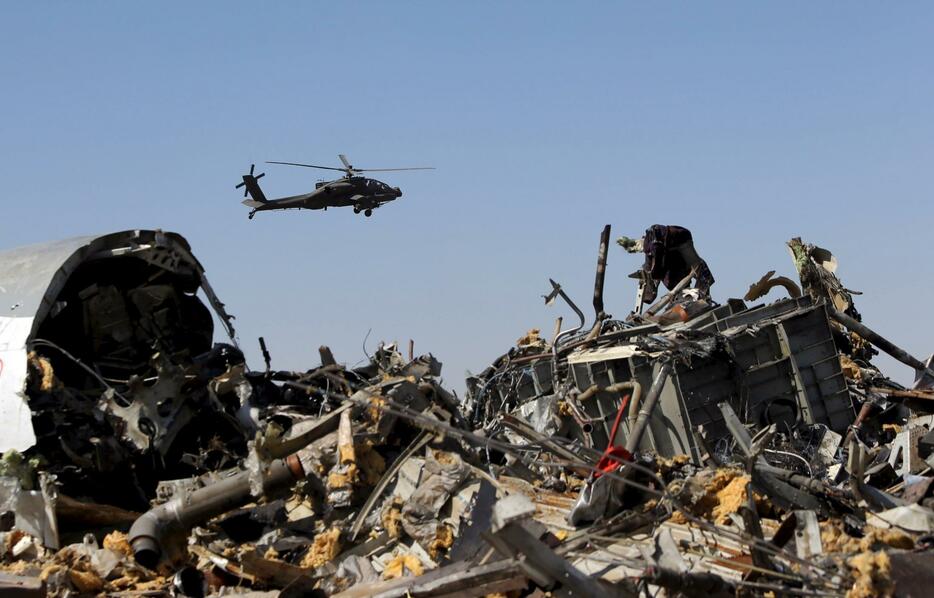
(368, 213)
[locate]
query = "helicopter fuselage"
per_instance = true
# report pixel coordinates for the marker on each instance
(361, 193)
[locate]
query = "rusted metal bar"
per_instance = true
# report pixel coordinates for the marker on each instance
(642, 420)
(857, 424)
(879, 341)
(601, 275)
(557, 291)
(266, 358)
(557, 330)
(903, 394)
(672, 294)
(161, 531)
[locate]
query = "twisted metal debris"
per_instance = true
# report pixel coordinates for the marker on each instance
(689, 448)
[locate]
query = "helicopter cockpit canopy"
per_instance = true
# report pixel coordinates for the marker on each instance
(377, 186)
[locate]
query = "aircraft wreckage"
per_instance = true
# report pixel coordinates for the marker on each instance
(692, 448)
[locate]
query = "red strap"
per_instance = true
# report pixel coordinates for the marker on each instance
(619, 417)
(613, 456)
(611, 460)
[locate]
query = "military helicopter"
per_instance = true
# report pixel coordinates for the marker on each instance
(364, 194)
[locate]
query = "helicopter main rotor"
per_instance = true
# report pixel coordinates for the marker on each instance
(348, 168)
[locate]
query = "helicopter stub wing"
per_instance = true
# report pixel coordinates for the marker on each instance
(313, 201)
(373, 201)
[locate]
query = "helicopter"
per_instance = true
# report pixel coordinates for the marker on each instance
(363, 193)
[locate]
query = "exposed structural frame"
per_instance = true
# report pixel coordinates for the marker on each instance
(31, 279)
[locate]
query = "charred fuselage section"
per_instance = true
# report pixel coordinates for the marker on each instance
(121, 367)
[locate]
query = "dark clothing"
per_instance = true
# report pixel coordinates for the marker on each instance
(669, 257)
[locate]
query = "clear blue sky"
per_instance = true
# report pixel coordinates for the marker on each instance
(749, 123)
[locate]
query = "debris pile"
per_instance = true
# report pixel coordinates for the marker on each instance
(690, 448)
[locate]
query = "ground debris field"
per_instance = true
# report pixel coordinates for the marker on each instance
(747, 447)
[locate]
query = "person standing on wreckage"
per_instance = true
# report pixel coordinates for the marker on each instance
(669, 257)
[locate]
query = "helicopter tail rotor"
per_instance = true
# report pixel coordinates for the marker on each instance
(251, 178)
(251, 185)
